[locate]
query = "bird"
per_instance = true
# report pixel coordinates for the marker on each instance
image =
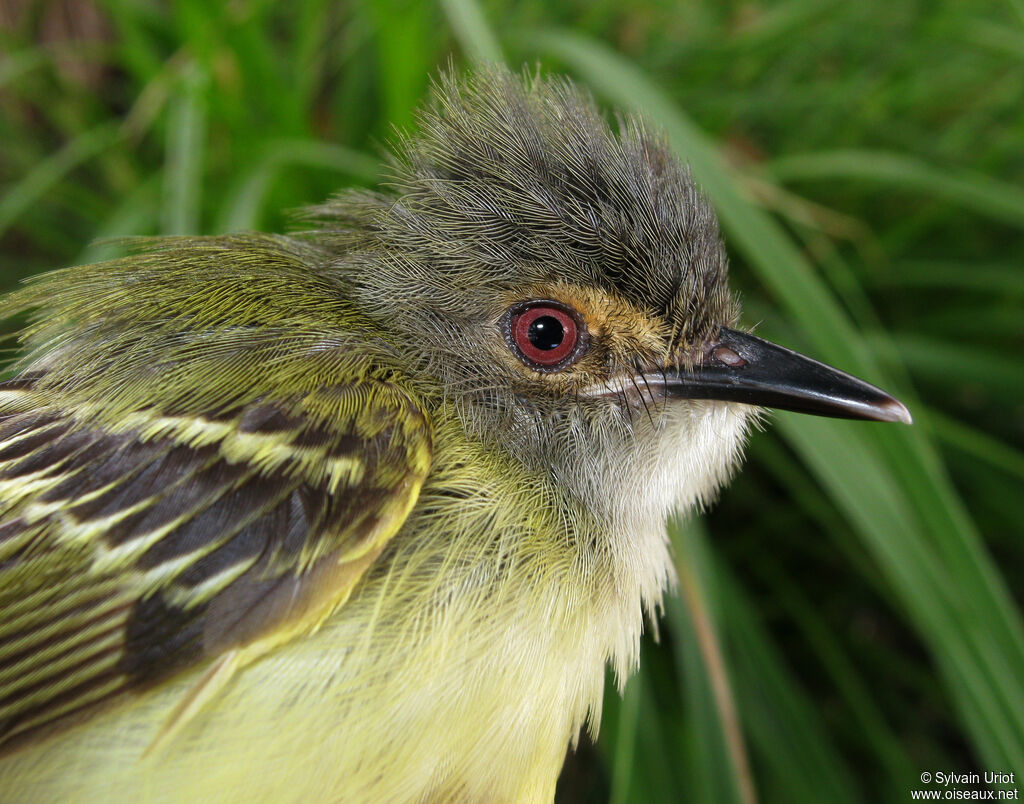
(364, 512)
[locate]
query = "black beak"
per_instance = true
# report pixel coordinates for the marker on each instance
(738, 367)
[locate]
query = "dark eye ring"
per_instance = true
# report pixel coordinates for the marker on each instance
(546, 335)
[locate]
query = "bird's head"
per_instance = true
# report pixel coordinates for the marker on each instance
(565, 287)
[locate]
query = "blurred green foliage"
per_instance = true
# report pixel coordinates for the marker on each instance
(849, 612)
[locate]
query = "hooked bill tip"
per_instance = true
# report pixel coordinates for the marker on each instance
(892, 410)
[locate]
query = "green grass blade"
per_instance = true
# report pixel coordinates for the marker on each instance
(405, 51)
(707, 764)
(900, 172)
(693, 624)
(972, 441)
(930, 587)
(787, 739)
(41, 179)
(1006, 279)
(1001, 376)
(625, 741)
(15, 64)
(186, 140)
(245, 201)
(136, 215)
(469, 25)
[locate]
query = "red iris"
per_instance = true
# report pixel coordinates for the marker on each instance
(544, 335)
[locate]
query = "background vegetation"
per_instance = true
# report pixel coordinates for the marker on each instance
(849, 613)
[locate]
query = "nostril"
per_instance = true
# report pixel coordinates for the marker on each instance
(726, 355)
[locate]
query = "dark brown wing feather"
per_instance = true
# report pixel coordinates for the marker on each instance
(129, 553)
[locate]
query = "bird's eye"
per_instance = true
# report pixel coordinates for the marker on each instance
(546, 335)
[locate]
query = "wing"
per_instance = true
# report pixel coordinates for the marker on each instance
(133, 549)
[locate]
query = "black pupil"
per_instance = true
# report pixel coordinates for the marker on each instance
(546, 332)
